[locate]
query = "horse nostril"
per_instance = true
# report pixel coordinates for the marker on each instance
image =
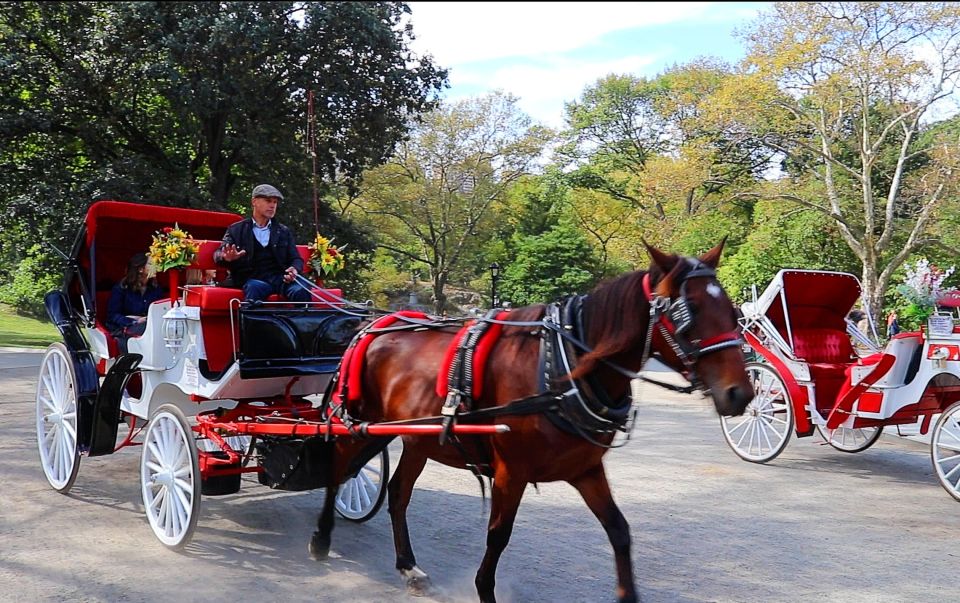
(738, 398)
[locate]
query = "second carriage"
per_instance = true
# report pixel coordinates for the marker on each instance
(809, 378)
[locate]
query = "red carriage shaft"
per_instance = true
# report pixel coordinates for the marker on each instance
(339, 429)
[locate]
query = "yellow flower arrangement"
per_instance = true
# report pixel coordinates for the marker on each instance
(325, 259)
(171, 248)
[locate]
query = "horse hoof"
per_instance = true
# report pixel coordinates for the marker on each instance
(319, 547)
(418, 582)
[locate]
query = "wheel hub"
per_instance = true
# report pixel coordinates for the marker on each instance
(164, 478)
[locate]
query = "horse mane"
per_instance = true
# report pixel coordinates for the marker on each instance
(617, 313)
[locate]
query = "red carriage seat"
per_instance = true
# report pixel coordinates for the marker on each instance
(828, 353)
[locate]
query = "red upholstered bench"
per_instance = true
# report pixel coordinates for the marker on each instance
(828, 353)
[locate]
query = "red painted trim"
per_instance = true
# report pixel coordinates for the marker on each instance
(728, 336)
(798, 394)
(844, 404)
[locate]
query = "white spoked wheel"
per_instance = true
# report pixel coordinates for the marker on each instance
(851, 440)
(57, 418)
(763, 430)
(945, 450)
(170, 477)
(359, 498)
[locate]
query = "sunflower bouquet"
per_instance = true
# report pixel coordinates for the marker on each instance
(325, 259)
(171, 248)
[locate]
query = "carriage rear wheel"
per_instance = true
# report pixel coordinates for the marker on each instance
(851, 440)
(945, 449)
(761, 433)
(170, 477)
(359, 498)
(57, 418)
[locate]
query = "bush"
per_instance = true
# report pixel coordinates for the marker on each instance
(33, 278)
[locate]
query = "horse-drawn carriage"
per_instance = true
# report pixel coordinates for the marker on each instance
(216, 386)
(810, 378)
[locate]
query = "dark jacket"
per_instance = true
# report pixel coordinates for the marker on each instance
(241, 234)
(127, 302)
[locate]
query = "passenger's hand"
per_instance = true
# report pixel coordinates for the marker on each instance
(141, 319)
(290, 274)
(231, 253)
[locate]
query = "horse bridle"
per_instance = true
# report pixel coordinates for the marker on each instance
(674, 318)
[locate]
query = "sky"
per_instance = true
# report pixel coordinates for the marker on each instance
(547, 53)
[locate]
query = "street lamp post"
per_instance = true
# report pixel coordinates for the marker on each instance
(494, 277)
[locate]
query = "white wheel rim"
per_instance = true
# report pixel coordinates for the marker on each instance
(168, 480)
(57, 419)
(850, 439)
(759, 433)
(946, 451)
(357, 496)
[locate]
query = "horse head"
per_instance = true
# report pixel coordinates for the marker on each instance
(696, 329)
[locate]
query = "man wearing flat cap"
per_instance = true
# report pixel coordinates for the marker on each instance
(260, 251)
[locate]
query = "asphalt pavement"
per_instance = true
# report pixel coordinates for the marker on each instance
(813, 525)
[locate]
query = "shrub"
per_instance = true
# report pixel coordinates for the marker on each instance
(33, 278)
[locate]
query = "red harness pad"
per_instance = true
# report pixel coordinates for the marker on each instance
(480, 356)
(351, 367)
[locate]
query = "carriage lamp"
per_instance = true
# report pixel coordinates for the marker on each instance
(174, 328)
(494, 277)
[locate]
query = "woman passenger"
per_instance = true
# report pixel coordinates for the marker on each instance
(129, 301)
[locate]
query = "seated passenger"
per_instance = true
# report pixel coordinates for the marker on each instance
(129, 301)
(260, 252)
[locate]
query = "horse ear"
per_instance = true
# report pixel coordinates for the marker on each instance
(659, 258)
(712, 257)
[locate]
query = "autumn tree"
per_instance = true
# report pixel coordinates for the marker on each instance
(431, 201)
(845, 92)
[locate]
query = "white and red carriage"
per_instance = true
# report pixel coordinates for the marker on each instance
(214, 388)
(809, 377)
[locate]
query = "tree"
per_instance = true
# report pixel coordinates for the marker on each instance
(432, 200)
(193, 103)
(845, 89)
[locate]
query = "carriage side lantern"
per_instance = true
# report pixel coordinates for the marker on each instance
(174, 328)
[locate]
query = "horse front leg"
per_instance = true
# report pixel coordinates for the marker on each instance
(595, 490)
(319, 546)
(399, 491)
(505, 500)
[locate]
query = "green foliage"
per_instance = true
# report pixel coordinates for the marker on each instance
(34, 277)
(548, 266)
(784, 237)
(193, 103)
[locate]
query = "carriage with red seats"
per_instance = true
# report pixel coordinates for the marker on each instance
(810, 378)
(214, 388)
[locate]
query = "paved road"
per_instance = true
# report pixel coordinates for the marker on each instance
(815, 525)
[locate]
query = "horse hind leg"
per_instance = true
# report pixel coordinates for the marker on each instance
(505, 500)
(399, 491)
(595, 490)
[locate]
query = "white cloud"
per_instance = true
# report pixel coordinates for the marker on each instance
(462, 32)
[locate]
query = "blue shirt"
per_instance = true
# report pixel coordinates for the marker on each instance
(262, 233)
(126, 302)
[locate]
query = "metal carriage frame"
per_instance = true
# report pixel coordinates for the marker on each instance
(214, 388)
(809, 376)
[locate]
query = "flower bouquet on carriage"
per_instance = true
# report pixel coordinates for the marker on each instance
(325, 260)
(920, 290)
(171, 248)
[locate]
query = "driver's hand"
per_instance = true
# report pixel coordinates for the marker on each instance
(289, 274)
(231, 253)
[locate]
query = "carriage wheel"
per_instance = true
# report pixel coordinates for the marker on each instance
(170, 477)
(945, 450)
(851, 440)
(359, 498)
(763, 430)
(57, 418)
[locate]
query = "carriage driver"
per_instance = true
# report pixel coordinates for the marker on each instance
(260, 251)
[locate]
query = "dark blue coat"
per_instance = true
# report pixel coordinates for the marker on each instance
(127, 302)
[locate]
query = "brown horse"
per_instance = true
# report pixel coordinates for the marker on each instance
(694, 331)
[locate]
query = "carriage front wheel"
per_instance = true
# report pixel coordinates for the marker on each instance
(57, 418)
(170, 477)
(945, 449)
(359, 498)
(763, 430)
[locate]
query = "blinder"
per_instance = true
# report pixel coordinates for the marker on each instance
(674, 318)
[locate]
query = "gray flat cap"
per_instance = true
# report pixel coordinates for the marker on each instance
(265, 190)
